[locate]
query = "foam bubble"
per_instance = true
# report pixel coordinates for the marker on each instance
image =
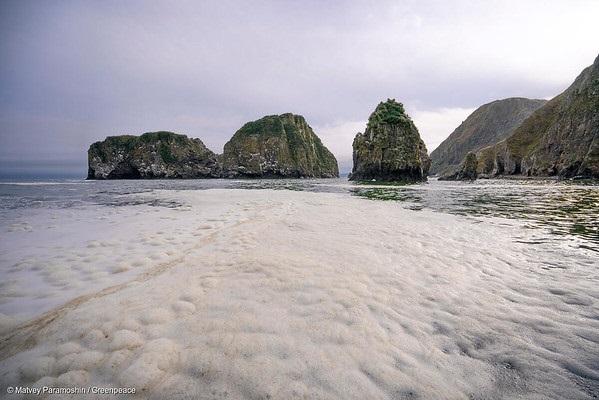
(35, 368)
(73, 379)
(126, 339)
(305, 295)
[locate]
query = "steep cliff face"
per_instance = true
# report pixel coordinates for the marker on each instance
(390, 149)
(559, 139)
(277, 146)
(487, 125)
(468, 170)
(151, 155)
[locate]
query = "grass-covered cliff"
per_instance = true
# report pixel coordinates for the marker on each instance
(390, 149)
(277, 146)
(487, 125)
(151, 155)
(559, 139)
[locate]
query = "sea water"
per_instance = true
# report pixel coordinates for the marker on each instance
(302, 288)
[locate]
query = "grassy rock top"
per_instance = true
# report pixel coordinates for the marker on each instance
(270, 125)
(130, 141)
(163, 136)
(273, 126)
(278, 146)
(390, 112)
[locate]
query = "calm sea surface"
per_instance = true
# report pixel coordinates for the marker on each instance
(556, 210)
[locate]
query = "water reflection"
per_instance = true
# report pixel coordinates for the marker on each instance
(561, 207)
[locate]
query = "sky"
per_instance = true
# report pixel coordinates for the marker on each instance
(74, 72)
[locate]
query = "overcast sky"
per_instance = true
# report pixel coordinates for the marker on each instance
(73, 72)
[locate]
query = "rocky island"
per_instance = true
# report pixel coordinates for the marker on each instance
(390, 149)
(278, 146)
(559, 139)
(487, 125)
(151, 155)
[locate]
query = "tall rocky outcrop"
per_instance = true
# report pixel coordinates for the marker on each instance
(487, 125)
(559, 139)
(390, 149)
(468, 170)
(151, 155)
(277, 146)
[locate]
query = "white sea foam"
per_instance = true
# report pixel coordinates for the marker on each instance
(52, 256)
(280, 294)
(38, 183)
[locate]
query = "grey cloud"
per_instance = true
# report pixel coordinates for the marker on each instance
(75, 72)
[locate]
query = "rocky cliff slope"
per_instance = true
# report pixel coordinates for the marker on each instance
(559, 139)
(151, 155)
(487, 125)
(467, 171)
(277, 146)
(390, 149)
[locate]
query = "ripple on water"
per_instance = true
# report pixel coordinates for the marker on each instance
(566, 209)
(561, 208)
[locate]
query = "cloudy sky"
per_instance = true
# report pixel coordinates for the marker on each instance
(73, 72)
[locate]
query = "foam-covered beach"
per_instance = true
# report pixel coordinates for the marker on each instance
(283, 294)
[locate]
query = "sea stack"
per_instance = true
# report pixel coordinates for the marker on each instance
(277, 146)
(151, 155)
(390, 149)
(559, 139)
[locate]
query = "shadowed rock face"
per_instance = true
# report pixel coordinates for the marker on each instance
(277, 146)
(151, 155)
(559, 139)
(466, 172)
(487, 125)
(391, 148)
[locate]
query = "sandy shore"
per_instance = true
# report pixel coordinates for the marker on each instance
(260, 294)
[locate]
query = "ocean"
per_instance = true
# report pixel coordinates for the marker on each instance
(302, 288)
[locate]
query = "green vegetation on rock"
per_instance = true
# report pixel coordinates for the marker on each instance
(466, 172)
(391, 148)
(390, 112)
(277, 146)
(559, 139)
(487, 125)
(151, 155)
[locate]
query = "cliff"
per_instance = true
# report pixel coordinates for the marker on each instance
(151, 155)
(390, 149)
(277, 146)
(467, 171)
(487, 125)
(559, 139)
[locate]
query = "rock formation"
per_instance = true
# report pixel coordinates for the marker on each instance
(151, 155)
(487, 125)
(466, 172)
(559, 139)
(277, 146)
(390, 149)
